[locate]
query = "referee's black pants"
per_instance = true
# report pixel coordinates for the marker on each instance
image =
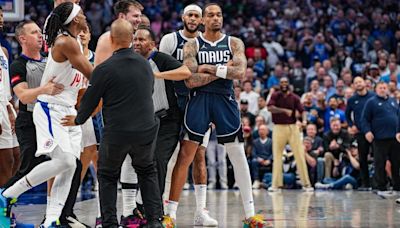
(111, 157)
(167, 140)
(386, 149)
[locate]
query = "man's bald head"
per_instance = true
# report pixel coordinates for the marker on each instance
(121, 33)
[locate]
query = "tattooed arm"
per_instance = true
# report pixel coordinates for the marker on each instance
(237, 69)
(198, 78)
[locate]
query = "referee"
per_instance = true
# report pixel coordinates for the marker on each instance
(125, 82)
(166, 70)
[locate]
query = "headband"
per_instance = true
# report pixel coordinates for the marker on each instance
(75, 10)
(193, 7)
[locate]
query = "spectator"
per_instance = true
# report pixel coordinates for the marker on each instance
(261, 156)
(273, 80)
(244, 105)
(311, 159)
(263, 111)
(331, 112)
(339, 95)
(328, 86)
(373, 74)
(336, 141)
(251, 97)
(274, 49)
(393, 75)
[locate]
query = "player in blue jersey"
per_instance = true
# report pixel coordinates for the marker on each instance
(215, 60)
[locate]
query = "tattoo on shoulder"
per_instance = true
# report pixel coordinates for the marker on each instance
(189, 55)
(238, 68)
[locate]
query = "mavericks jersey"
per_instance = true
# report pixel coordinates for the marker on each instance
(215, 53)
(63, 73)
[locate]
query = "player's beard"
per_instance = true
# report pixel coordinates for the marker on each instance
(190, 30)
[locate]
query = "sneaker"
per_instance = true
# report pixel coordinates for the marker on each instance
(257, 221)
(168, 222)
(55, 224)
(203, 218)
(319, 185)
(211, 185)
(186, 186)
(224, 186)
(274, 189)
(398, 200)
(348, 186)
(5, 210)
(75, 223)
(308, 189)
(386, 193)
(136, 219)
(256, 184)
(99, 223)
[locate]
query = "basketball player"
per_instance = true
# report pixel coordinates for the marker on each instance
(9, 150)
(172, 44)
(61, 144)
(131, 11)
(215, 60)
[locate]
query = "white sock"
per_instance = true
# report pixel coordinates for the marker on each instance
(200, 192)
(48, 204)
(172, 208)
(21, 186)
(98, 204)
(128, 201)
(241, 170)
(139, 199)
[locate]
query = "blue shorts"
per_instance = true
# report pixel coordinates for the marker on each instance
(205, 108)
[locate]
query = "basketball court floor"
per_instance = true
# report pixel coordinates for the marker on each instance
(291, 208)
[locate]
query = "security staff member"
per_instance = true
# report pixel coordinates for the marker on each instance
(125, 83)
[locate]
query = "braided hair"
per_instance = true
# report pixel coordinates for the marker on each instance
(55, 23)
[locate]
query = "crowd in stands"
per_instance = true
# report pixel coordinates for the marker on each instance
(321, 46)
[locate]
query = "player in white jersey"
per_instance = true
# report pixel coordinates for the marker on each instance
(9, 150)
(61, 144)
(172, 44)
(131, 11)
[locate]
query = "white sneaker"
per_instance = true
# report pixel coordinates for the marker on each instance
(308, 189)
(398, 200)
(202, 218)
(186, 186)
(74, 223)
(224, 186)
(319, 185)
(273, 189)
(256, 184)
(211, 185)
(386, 193)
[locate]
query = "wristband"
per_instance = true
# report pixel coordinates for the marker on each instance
(222, 71)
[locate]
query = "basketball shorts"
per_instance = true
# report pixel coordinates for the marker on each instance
(88, 134)
(8, 139)
(50, 133)
(205, 108)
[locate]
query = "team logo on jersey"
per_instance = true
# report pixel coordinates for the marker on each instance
(203, 47)
(48, 144)
(356, 102)
(182, 44)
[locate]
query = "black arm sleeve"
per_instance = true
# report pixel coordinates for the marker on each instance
(92, 96)
(166, 62)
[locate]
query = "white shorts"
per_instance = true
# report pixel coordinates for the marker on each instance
(7, 138)
(206, 138)
(50, 133)
(88, 135)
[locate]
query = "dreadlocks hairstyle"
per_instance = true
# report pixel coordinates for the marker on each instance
(55, 23)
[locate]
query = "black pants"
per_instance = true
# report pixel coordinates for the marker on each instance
(383, 150)
(363, 151)
(26, 135)
(111, 157)
(68, 209)
(167, 140)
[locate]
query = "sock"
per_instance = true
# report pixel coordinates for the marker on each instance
(241, 170)
(48, 204)
(128, 198)
(139, 199)
(98, 205)
(21, 186)
(200, 192)
(172, 208)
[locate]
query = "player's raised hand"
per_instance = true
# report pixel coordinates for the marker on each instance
(68, 121)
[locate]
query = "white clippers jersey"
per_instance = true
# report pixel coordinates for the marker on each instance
(63, 73)
(5, 90)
